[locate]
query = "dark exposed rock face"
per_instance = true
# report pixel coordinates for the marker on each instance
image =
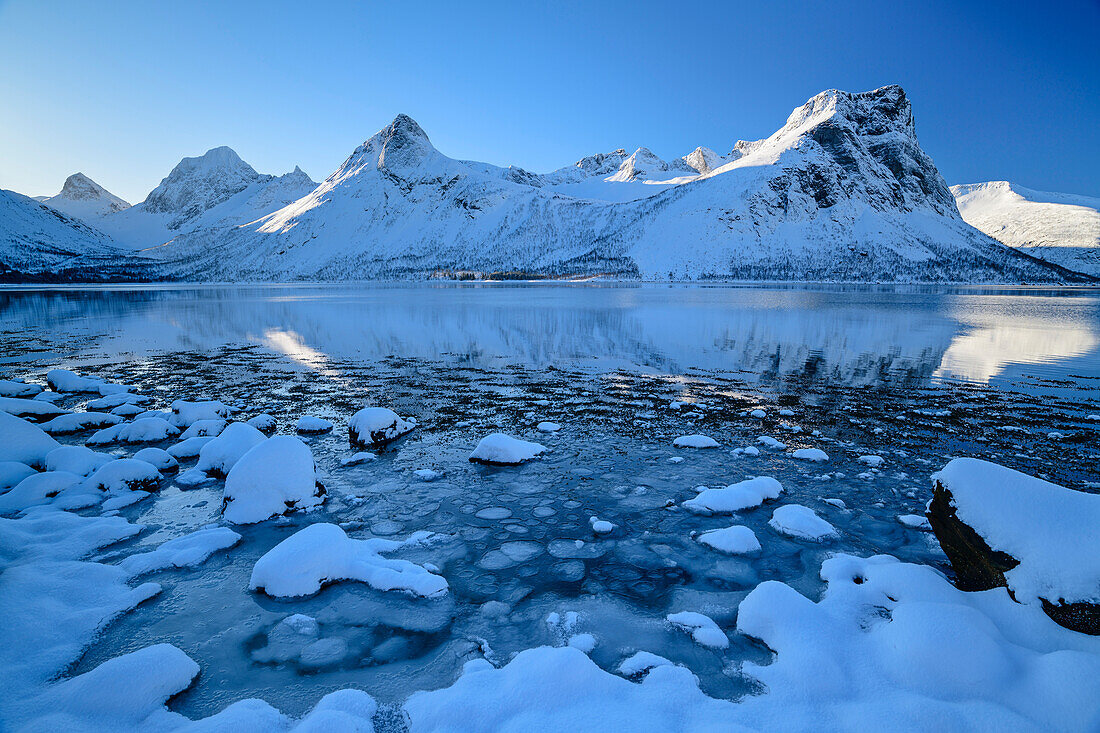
(979, 567)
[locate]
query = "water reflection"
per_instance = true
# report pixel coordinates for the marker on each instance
(854, 336)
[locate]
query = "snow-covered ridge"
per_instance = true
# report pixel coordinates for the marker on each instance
(1058, 227)
(841, 191)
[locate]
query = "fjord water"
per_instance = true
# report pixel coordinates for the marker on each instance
(1019, 337)
(912, 375)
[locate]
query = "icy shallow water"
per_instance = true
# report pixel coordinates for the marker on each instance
(913, 377)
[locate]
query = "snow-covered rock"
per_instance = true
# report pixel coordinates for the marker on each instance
(211, 427)
(1056, 227)
(264, 423)
(23, 442)
(695, 441)
(185, 413)
(322, 553)
(12, 388)
(735, 497)
(36, 410)
(273, 477)
(36, 489)
(63, 380)
(182, 552)
(75, 422)
(218, 456)
(815, 455)
(141, 430)
(158, 458)
(795, 520)
(12, 472)
(312, 425)
(701, 628)
(76, 459)
(1000, 527)
(735, 540)
(188, 448)
(374, 426)
(125, 474)
(504, 450)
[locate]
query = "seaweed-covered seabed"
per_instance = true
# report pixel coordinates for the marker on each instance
(612, 458)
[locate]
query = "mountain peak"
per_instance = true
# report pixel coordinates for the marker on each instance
(84, 198)
(402, 144)
(196, 184)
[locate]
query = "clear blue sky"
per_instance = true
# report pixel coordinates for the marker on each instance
(122, 90)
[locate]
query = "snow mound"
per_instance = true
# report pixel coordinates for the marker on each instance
(310, 424)
(38, 488)
(264, 423)
(12, 472)
(503, 450)
(815, 455)
(207, 428)
(188, 448)
(736, 540)
(62, 380)
(695, 441)
(219, 455)
(275, 476)
(36, 410)
(159, 458)
(373, 426)
(735, 497)
(185, 414)
(322, 553)
(795, 520)
(1053, 532)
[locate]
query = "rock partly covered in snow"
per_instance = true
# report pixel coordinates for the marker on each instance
(374, 426)
(1000, 527)
(322, 553)
(504, 450)
(275, 476)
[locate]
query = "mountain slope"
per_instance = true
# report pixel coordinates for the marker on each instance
(40, 241)
(841, 192)
(85, 199)
(214, 190)
(1061, 228)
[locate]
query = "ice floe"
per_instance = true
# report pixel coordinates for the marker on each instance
(795, 520)
(735, 540)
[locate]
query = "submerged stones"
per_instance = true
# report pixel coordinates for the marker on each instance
(1003, 528)
(377, 426)
(275, 476)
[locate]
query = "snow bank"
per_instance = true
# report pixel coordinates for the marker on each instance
(561, 689)
(218, 456)
(504, 450)
(275, 476)
(735, 497)
(1053, 532)
(695, 441)
(24, 443)
(322, 553)
(735, 540)
(377, 426)
(795, 520)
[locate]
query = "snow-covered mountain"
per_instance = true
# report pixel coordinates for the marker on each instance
(40, 241)
(841, 191)
(85, 199)
(214, 190)
(1058, 227)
